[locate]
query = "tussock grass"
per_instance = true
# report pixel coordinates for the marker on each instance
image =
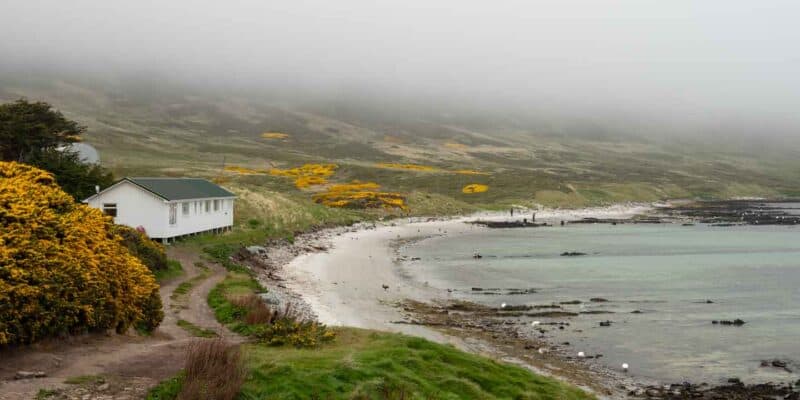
(213, 371)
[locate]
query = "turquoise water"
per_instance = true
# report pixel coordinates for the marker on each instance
(665, 271)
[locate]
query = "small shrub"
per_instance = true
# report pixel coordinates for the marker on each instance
(152, 314)
(140, 246)
(253, 223)
(296, 333)
(213, 371)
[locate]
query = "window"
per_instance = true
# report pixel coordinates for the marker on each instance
(208, 205)
(185, 209)
(216, 205)
(110, 209)
(173, 214)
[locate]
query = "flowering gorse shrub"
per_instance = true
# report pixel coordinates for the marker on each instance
(474, 188)
(62, 268)
(360, 195)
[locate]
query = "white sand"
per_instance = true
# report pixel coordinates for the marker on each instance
(344, 285)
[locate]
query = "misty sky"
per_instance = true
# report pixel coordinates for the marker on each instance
(681, 59)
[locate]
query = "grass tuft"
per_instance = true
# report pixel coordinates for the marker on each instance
(195, 330)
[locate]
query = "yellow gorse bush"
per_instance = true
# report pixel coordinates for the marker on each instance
(358, 194)
(413, 167)
(274, 135)
(474, 188)
(62, 269)
(469, 172)
(307, 175)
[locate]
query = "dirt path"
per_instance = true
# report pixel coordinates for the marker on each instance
(129, 364)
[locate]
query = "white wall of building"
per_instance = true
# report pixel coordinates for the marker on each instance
(138, 207)
(198, 219)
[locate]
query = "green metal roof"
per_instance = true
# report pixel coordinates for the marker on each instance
(180, 188)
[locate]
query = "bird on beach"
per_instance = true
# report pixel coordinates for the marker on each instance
(535, 323)
(625, 367)
(581, 354)
(503, 305)
(385, 286)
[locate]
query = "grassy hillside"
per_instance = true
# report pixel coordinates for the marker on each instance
(159, 129)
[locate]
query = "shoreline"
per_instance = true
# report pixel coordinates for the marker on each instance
(350, 276)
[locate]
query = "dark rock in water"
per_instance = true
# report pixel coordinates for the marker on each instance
(636, 312)
(570, 302)
(598, 300)
(572, 254)
(520, 291)
(552, 314)
(605, 323)
(591, 312)
(508, 224)
(735, 381)
(736, 322)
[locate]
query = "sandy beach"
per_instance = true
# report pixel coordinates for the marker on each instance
(344, 285)
(356, 281)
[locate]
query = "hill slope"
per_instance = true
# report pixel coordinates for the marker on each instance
(162, 129)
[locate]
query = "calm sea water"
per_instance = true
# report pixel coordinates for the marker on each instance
(666, 271)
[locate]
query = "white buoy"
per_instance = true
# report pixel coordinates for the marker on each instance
(535, 323)
(625, 367)
(503, 305)
(581, 354)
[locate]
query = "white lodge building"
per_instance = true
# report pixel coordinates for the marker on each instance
(167, 207)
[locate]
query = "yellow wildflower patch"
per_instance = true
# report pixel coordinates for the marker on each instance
(274, 135)
(307, 175)
(303, 182)
(469, 172)
(63, 269)
(360, 195)
(475, 188)
(413, 167)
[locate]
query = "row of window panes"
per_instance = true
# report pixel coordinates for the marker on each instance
(199, 206)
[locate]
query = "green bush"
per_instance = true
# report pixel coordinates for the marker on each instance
(140, 246)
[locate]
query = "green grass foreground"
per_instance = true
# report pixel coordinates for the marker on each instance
(363, 364)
